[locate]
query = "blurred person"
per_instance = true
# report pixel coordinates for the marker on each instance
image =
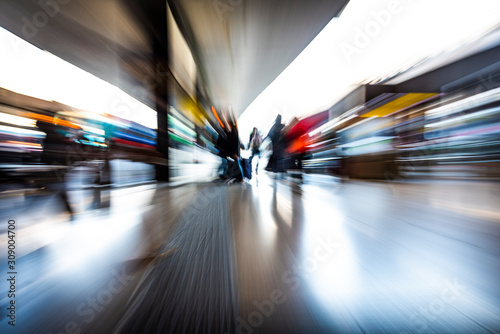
(275, 135)
(221, 145)
(235, 169)
(254, 144)
(57, 151)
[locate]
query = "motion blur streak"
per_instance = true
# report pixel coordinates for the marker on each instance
(134, 199)
(321, 256)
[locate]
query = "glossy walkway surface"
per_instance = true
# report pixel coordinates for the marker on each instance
(272, 256)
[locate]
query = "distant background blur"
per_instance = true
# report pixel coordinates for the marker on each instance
(387, 90)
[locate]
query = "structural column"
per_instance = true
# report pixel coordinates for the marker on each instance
(160, 61)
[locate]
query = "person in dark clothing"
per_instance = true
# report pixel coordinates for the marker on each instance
(254, 143)
(228, 144)
(278, 151)
(275, 132)
(57, 151)
(233, 150)
(221, 145)
(233, 143)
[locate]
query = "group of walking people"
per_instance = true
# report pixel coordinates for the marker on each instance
(234, 168)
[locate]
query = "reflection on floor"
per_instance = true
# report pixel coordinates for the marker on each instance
(278, 255)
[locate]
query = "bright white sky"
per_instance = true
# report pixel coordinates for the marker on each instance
(27, 70)
(371, 40)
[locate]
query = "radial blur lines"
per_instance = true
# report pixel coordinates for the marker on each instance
(190, 287)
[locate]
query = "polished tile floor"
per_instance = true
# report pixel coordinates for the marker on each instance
(277, 255)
